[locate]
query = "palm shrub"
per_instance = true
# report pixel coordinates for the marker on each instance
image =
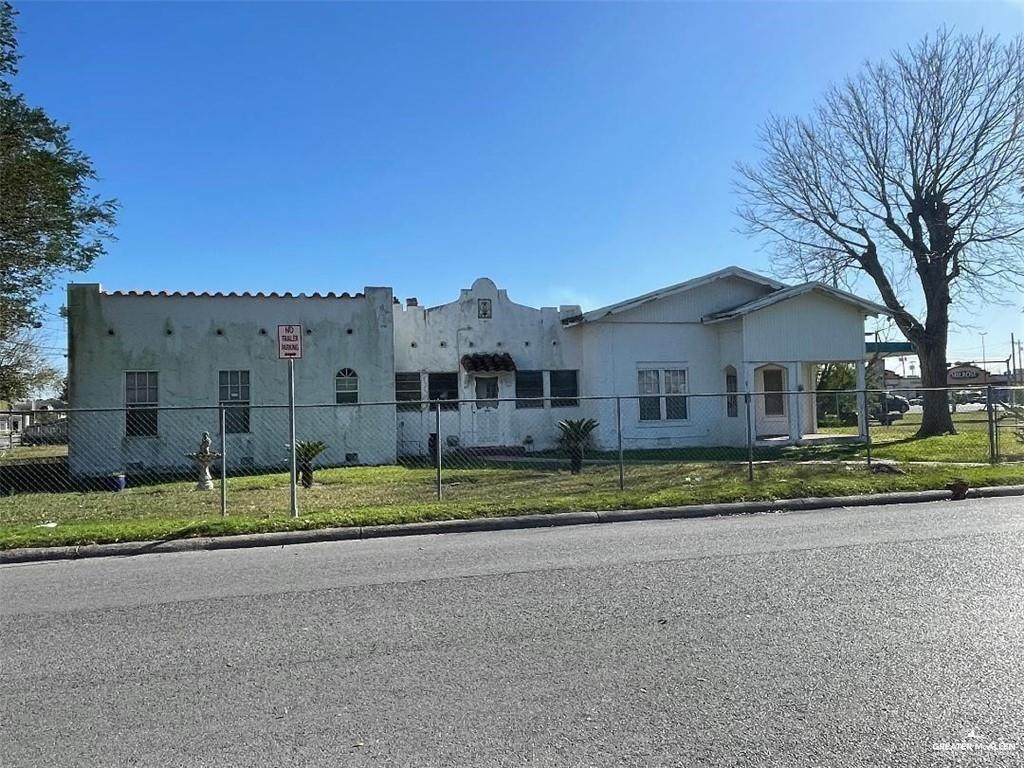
(574, 437)
(305, 452)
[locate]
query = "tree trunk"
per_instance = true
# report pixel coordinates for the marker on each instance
(936, 419)
(575, 459)
(931, 349)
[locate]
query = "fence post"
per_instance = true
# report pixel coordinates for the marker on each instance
(993, 452)
(750, 438)
(867, 426)
(437, 450)
(618, 434)
(223, 464)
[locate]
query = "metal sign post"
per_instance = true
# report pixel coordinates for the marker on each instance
(223, 462)
(289, 347)
(291, 432)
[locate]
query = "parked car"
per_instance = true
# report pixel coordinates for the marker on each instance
(886, 417)
(896, 402)
(917, 401)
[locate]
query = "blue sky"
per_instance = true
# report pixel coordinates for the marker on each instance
(575, 153)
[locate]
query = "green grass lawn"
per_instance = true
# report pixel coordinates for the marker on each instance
(24, 452)
(897, 442)
(395, 494)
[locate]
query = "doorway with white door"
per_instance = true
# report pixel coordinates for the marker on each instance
(487, 410)
(771, 411)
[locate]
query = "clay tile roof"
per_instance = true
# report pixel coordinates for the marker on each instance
(243, 294)
(485, 362)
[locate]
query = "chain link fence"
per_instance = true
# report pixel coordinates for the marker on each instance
(355, 457)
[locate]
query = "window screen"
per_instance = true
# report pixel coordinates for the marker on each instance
(234, 392)
(529, 384)
(649, 383)
(141, 399)
(408, 387)
(731, 385)
(346, 387)
(564, 389)
(675, 385)
(774, 400)
(444, 386)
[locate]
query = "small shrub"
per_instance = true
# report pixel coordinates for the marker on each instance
(575, 436)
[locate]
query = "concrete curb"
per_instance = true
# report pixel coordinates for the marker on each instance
(40, 554)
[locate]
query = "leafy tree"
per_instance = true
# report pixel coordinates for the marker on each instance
(50, 221)
(908, 172)
(836, 376)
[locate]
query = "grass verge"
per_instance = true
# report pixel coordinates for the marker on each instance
(394, 494)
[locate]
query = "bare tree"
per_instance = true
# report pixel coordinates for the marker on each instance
(909, 172)
(24, 369)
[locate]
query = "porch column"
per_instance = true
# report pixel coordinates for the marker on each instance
(862, 403)
(794, 381)
(811, 398)
(746, 386)
(748, 377)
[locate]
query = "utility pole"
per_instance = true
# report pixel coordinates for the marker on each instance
(1013, 361)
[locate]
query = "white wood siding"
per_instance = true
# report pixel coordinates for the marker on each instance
(692, 305)
(810, 327)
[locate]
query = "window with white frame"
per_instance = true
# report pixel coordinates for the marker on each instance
(234, 395)
(662, 394)
(141, 399)
(346, 387)
(731, 385)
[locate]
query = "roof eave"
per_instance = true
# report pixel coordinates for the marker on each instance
(868, 307)
(624, 306)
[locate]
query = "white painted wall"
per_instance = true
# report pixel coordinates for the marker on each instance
(614, 351)
(433, 340)
(189, 339)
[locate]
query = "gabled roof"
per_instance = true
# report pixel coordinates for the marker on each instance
(792, 292)
(661, 293)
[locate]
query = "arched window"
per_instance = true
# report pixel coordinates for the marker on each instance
(731, 385)
(346, 386)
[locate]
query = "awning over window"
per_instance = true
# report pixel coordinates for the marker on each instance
(481, 362)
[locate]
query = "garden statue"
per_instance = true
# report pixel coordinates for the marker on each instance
(203, 458)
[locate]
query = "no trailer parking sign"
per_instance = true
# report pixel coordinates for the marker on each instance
(289, 342)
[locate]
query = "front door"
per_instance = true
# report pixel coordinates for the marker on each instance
(485, 411)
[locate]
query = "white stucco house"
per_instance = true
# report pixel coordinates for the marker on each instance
(374, 369)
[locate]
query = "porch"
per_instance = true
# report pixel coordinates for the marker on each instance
(784, 400)
(811, 438)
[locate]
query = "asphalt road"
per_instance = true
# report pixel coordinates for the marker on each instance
(855, 637)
